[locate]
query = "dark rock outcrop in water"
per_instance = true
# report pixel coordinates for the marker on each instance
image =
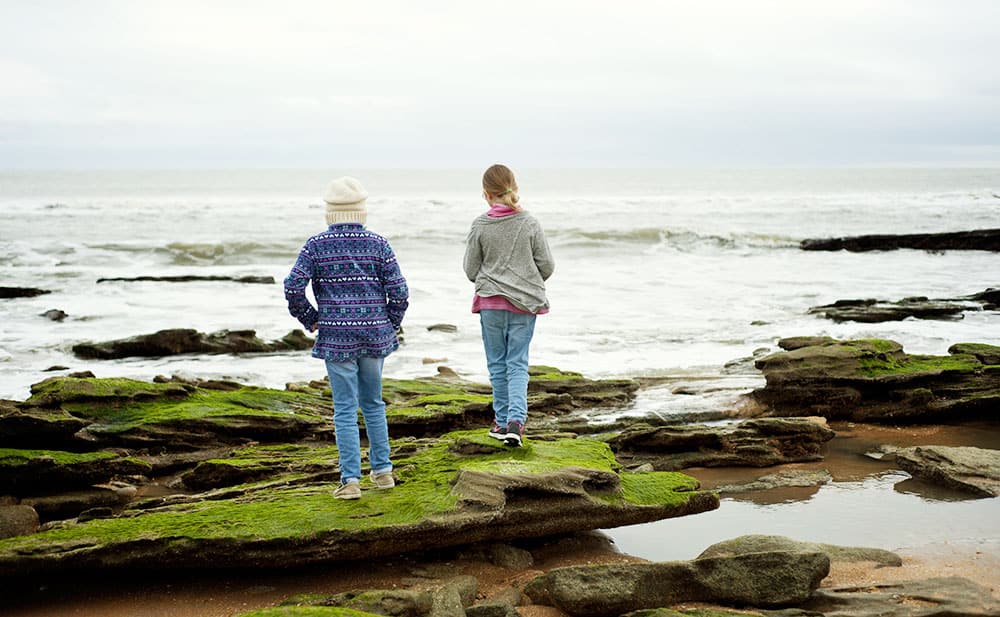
(875, 381)
(973, 470)
(768, 579)
(975, 240)
(21, 292)
(754, 443)
(876, 311)
(260, 280)
(182, 340)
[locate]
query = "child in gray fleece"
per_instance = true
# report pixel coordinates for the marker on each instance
(508, 259)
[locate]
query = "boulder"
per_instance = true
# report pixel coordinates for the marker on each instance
(875, 381)
(459, 489)
(763, 543)
(17, 520)
(759, 442)
(964, 468)
(933, 597)
(769, 579)
(181, 341)
(975, 240)
(55, 315)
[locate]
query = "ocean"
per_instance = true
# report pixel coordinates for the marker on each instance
(663, 273)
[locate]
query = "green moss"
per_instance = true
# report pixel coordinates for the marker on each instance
(303, 511)
(550, 373)
(657, 487)
(217, 406)
(56, 390)
(881, 365)
(307, 611)
(877, 344)
(15, 458)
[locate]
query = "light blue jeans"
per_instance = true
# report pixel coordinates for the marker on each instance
(506, 337)
(355, 383)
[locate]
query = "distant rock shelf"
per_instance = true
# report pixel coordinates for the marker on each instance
(975, 240)
(21, 292)
(260, 280)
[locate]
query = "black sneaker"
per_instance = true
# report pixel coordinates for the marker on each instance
(498, 432)
(513, 433)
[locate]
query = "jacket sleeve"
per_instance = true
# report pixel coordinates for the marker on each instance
(397, 294)
(541, 254)
(295, 290)
(473, 255)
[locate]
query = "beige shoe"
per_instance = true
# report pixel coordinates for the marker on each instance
(383, 480)
(351, 490)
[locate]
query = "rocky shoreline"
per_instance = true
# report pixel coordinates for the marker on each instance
(178, 474)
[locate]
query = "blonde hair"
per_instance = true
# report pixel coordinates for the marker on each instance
(498, 182)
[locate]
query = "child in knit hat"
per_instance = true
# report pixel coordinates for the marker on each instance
(508, 259)
(362, 297)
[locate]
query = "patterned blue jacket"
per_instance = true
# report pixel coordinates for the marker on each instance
(360, 290)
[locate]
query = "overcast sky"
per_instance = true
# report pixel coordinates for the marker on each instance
(423, 83)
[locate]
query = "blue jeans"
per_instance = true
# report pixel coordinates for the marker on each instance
(355, 383)
(506, 337)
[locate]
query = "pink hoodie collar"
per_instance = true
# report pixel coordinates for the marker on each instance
(500, 210)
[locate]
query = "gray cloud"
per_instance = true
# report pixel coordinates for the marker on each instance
(217, 84)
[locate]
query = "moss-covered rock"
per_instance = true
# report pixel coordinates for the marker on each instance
(35, 472)
(179, 416)
(874, 380)
(444, 496)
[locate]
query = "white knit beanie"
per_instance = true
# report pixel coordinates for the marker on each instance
(345, 202)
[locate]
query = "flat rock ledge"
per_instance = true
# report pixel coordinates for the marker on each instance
(768, 579)
(975, 240)
(964, 468)
(183, 340)
(873, 380)
(459, 489)
(760, 442)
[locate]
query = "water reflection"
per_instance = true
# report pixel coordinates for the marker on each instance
(870, 512)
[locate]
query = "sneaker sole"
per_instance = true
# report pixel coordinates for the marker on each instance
(512, 440)
(500, 436)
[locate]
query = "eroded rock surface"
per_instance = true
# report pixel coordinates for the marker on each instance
(771, 579)
(965, 468)
(875, 381)
(756, 443)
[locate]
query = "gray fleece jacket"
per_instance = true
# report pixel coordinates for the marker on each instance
(508, 256)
